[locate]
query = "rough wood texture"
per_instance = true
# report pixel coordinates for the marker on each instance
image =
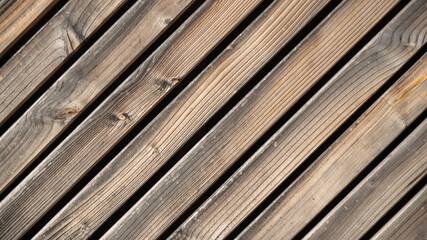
(17, 16)
(300, 136)
(379, 191)
(182, 118)
(84, 81)
(338, 166)
(147, 85)
(46, 51)
(216, 152)
(409, 223)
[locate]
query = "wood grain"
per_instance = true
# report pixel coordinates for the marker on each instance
(51, 114)
(145, 87)
(47, 50)
(17, 16)
(410, 222)
(193, 174)
(175, 125)
(349, 154)
(378, 192)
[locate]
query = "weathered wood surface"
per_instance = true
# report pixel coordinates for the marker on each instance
(17, 16)
(300, 136)
(409, 223)
(181, 186)
(48, 49)
(379, 191)
(176, 124)
(348, 156)
(84, 81)
(153, 79)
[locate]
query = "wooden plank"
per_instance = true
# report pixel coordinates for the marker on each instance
(193, 174)
(83, 82)
(153, 79)
(299, 137)
(410, 222)
(337, 166)
(17, 16)
(182, 118)
(48, 49)
(378, 192)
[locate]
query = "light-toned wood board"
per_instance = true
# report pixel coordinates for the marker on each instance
(48, 48)
(51, 114)
(175, 125)
(346, 158)
(161, 71)
(301, 135)
(193, 174)
(378, 192)
(409, 223)
(17, 16)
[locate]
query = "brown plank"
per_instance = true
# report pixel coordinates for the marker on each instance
(299, 137)
(47, 50)
(17, 16)
(192, 108)
(193, 174)
(348, 156)
(378, 192)
(83, 82)
(410, 222)
(160, 72)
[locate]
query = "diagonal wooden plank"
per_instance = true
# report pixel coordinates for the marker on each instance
(410, 222)
(379, 191)
(48, 117)
(17, 16)
(160, 72)
(179, 121)
(300, 136)
(184, 183)
(48, 49)
(341, 163)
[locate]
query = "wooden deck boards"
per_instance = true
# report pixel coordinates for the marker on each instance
(206, 159)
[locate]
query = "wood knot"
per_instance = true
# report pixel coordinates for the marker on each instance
(124, 117)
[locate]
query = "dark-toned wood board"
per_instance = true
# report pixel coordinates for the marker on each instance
(300, 136)
(161, 71)
(17, 16)
(193, 174)
(47, 49)
(182, 118)
(48, 117)
(378, 192)
(409, 223)
(347, 156)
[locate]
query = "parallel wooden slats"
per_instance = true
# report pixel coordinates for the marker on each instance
(181, 186)
(299, 137)
(83, 82)
(175, 125)
(169, 63)
(379, 191)
(349, 155)
(16, 16)
(46, 51)
(410, 222)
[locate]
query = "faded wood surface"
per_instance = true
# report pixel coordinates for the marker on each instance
(83, 82)
(46, 50)
(341, 163)
(409, 223)
(17, 16)
(300, 136)
(176, 124)
(379, 191)
(170, 63)
(194, 173)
